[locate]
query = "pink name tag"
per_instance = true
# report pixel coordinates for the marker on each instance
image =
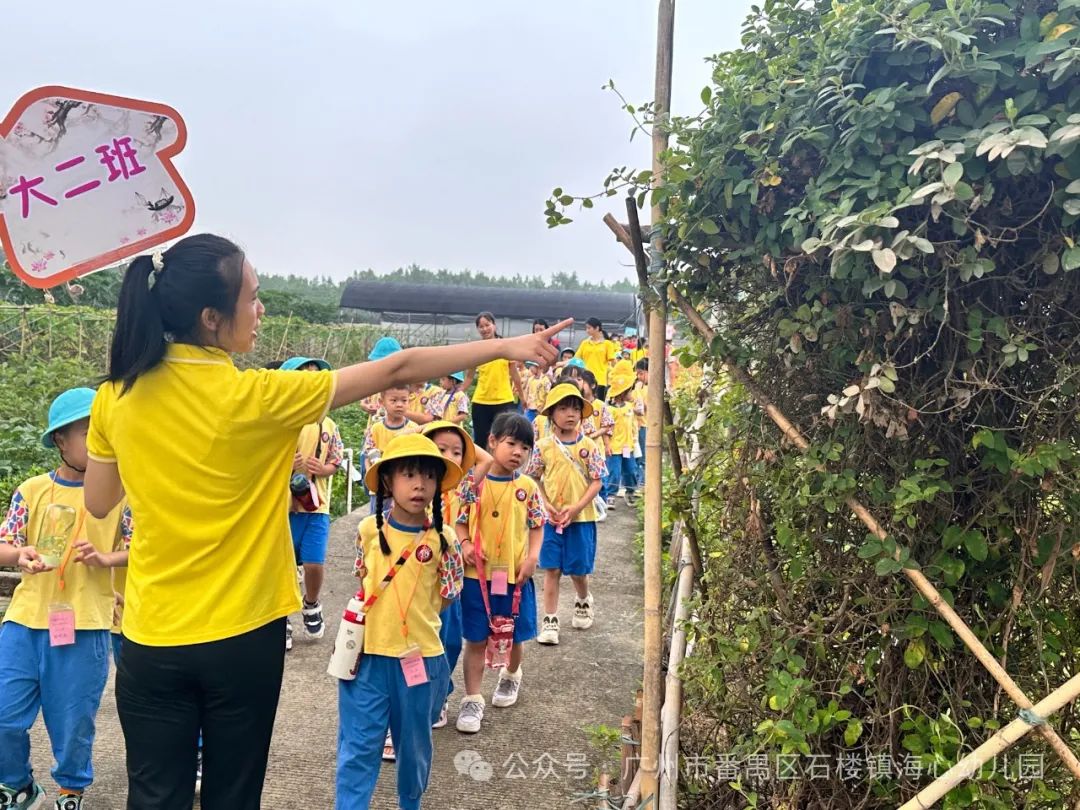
(412, 667)
(61, 627)
(500, 579)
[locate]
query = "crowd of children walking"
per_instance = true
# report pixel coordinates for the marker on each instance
(445, 561)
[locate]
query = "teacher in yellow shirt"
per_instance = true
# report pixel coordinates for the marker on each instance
(497, 383)
(597, 353)
(204, 452)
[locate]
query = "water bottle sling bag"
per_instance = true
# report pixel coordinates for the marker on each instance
(599, 504)
(500, 628)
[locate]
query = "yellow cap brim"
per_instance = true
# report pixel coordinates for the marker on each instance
(412, 446)
(566, 391)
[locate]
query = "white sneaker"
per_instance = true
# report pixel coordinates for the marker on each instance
(288, 635)
(611, 504)
(388, 753)
(441, 722)
(506, 692)
(470, 715)
(583, 613)
(549, 630)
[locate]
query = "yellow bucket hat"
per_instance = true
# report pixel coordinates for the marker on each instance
(619, 385)
(468, 458)
(411, 446)
(564, 391)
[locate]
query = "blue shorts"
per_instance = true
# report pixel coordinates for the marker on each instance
(310, 535)
(474, 619)
(573, 552)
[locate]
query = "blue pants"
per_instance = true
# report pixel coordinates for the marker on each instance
(641, 461)
(367, 706)
(451, 635)
(622, 471)
(573, 552)
(65, 683)
(117, 645)
(530, 414)
(310, 535)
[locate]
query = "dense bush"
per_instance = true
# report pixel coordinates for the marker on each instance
(878, 210)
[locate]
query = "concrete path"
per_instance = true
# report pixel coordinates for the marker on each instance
(533, 755)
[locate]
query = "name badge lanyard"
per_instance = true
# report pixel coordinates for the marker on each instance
(403, 610)
(478, 543)
(386, 580)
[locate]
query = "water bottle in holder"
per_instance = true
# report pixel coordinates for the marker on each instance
(349, 643)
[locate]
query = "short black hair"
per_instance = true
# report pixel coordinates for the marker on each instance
(596, 323)
(642, 364)
(513, 425)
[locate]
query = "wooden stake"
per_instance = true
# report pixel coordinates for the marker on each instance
(921, 583)
(670, 718)
(654, 427)
(629, 755)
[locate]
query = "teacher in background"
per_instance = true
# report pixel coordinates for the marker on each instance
(204, 452)
(497, 382)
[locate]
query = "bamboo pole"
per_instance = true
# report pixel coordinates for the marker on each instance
(1005, 738)
(670, 718)
(654, 430)
(633, 795)
(921, 583)
(629, 755)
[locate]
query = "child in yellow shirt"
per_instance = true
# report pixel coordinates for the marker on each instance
(501, 531)
(394, 403)
(570, 468)
(537, 385)
(451, 404)
(319, 454)
(641, 397)
(622, 466)
(54, 643)
(402, 679)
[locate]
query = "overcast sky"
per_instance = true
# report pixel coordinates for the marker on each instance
(329, 135)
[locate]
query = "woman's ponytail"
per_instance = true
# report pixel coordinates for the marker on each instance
(138, 342)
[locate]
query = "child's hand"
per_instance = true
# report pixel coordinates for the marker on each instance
(315, 467)
(558, 517)
(297, 462)
(30, 561)
(88, 555)
(527, 569)
(467, 553)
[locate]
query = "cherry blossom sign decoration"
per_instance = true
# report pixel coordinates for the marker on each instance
(87, 179)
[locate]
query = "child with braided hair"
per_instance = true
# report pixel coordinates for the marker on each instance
(403, 677)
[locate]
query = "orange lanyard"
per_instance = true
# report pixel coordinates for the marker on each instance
(503, 520)
(71, 542)
(404, 610)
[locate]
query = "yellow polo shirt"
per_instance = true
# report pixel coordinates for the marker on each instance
(596, 354)
(624, 434)
(641, 398)
(205, 454)
(565, 479)
(501, 517)
(493, 384)
(88, 590)
(417, 590)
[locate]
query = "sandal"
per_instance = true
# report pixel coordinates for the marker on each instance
(388, 754)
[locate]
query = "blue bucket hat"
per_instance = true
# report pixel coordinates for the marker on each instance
(384, 347)
(576, 362)
(71, 406)
(457, 375)
(293, 363)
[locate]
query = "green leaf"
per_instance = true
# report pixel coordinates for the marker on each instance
(975, 543)
(852, 732)
(886, 566)
(885, 259)
(869, 549)
(709, 227)
(1051, 264)
(952, 174)
(1070, 259)
(706, 95)
(566, 199)
(942, 635)
(915, 653)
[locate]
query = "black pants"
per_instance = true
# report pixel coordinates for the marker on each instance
(482, 418)
(601, 392)
(227, 688)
